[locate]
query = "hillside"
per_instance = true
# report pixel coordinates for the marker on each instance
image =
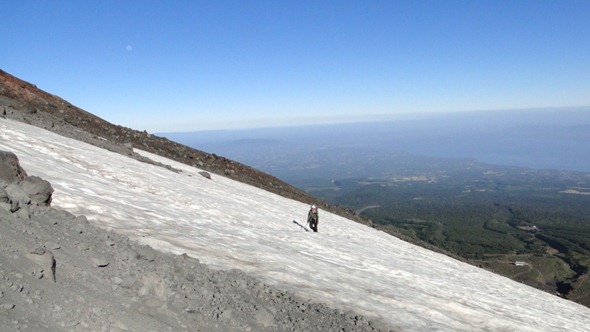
(226, 225)
(62, 272)
(423, 178)
(230, 225)
(23, 101)
(104, 281)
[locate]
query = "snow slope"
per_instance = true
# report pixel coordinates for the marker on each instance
(227, 224)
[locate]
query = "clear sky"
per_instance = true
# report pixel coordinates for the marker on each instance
(191, 65)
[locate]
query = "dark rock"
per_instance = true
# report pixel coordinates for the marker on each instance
(100, 262)
(38, 190)
(10, 170)
(146, 252)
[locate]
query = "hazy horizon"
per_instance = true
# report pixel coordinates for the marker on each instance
(310, 121)
(553, 138)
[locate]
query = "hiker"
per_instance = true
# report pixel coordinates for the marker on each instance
(313, 218)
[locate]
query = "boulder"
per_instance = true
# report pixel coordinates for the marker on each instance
(39, 190)
(10, 170)
(46, 262)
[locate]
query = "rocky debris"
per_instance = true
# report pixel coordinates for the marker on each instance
(78, 277)
(17, 190)
(206, 175)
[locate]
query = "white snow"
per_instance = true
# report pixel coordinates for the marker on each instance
(227, 224)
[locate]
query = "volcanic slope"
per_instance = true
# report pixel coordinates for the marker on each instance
(231, 225)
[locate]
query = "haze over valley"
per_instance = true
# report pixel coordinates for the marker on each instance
(534, 138)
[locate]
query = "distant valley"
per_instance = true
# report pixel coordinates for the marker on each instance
(538, 139)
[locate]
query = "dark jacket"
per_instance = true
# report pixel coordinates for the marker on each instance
(313, 219)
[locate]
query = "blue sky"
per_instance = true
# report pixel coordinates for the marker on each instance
(192, 65)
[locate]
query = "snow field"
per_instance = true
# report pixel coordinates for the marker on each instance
(227, 224)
